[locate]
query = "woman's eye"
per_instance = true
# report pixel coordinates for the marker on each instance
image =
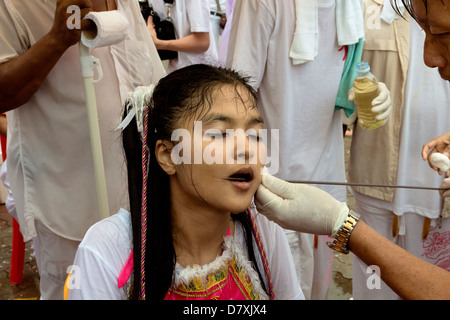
(216, 135)
(254, 137)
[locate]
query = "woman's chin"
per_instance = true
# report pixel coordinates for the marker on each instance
(240, 208)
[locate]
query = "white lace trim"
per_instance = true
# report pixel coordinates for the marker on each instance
(231, 248)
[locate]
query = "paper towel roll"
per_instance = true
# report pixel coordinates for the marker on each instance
(111, 28)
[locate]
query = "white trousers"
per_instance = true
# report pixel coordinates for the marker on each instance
(55, 255)
(313, 266)
(435, 249)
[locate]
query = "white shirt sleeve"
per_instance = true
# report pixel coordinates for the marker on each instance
(93, 279)
(13, 38)
(198, 14)
(99, 260)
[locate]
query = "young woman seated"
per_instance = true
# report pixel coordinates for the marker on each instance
(192, 231)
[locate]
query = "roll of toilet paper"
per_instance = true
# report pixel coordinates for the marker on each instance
(111, 28)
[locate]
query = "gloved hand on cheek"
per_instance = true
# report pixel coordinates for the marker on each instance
(300, 207)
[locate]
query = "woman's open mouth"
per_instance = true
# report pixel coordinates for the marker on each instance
(242, 179)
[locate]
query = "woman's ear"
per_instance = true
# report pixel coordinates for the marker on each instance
(163, 153)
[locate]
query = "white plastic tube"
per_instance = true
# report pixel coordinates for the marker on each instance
(96, 144)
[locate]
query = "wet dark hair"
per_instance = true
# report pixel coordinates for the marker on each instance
(181, 94)
(409, 7)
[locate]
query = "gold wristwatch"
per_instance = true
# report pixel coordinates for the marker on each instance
(341, 239)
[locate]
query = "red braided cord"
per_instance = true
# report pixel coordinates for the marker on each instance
(263, 255)
(144, 204)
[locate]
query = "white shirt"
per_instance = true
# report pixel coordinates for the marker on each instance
(50, 164)
(189, 16)
(425, 115)
(222, 3)
(107, 245)
(297, 100)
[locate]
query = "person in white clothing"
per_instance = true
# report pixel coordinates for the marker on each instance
(218, 8)
(223, 43)
(298, 99)
(436, 55)
(50, 164)
(411, 218)
(194, 40)
(192, 233)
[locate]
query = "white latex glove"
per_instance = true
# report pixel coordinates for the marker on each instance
(440, 161)
(300, 207)
(381, 105)
(445, 185)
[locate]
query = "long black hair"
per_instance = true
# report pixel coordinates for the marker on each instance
(180, 94)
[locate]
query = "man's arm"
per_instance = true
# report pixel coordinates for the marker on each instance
(21, 77)
(308, 209)
(409, 276)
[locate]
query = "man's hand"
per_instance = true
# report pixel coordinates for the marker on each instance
(441, 144)
(381, 105)
(64, 36)
(445, 185)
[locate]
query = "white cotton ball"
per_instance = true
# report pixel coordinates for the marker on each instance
(441, 161)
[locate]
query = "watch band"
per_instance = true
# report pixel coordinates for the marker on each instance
(340, 241)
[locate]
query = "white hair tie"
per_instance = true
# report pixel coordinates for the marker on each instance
(138, 100)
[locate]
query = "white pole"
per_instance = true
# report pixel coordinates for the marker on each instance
(96, 144)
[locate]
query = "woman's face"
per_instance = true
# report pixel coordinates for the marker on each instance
(223, 155)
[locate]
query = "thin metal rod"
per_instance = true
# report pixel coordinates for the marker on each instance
(353, 184)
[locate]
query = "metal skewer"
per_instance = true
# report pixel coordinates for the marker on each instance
(354, 184)
(350, 184)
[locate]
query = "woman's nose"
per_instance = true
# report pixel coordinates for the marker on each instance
(242, 148)
(243, 152)
(432, 54)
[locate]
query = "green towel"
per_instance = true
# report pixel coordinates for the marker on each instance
(348, 76)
